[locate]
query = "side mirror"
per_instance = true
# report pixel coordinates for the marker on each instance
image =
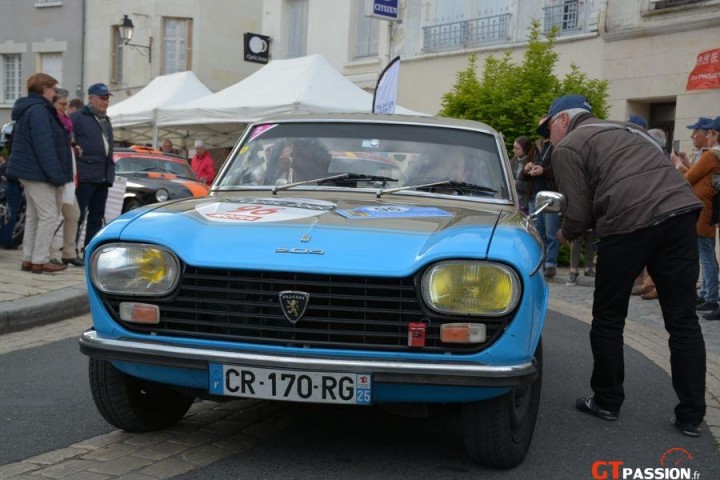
(548, 202)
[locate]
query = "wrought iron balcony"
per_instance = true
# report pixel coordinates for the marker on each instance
(466, 34)
(563, 16)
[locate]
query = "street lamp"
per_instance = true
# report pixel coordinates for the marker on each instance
(126, 29)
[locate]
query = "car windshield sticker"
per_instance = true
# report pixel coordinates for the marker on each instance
(244, 149)
(393, 211)
(371, 143)
(259, 210)
(260, 129)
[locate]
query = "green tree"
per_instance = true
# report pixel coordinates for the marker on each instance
(512, 97)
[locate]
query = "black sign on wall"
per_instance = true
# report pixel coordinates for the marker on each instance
(257, 48)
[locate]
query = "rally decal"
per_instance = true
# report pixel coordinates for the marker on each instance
(259, 210)
(393, 211)
(260, 129)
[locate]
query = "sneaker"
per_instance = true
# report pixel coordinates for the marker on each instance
(687, 429)
(589, 272)
(573, 278)
(706, 307)
(588, 405)
(714, 315)
(550, 272)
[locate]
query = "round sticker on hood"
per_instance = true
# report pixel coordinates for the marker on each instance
(258, 210)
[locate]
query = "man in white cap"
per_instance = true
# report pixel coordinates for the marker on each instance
(617, 180)
(202, 164)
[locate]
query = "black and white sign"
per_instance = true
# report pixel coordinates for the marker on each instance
(257, 48)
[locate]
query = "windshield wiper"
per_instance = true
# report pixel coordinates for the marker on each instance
(277, 188)
(459, 186)
(349, 178)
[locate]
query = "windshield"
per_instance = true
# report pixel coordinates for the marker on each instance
(404, 155)
(135, 164)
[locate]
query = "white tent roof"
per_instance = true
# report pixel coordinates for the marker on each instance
(305, 84)
(162, 91)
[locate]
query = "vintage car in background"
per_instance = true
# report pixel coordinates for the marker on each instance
(349, 259)
(153, 176)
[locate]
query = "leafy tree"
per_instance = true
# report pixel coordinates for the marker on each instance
(512, 97)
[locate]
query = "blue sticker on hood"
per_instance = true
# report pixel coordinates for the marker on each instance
(393, 211)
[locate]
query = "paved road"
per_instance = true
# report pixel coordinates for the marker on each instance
(51, 429)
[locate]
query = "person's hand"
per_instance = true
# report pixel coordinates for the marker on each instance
(527, 167)
(536, 171)
(78, 151)
(560, 237)
(2, 160)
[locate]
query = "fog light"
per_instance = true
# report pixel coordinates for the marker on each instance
(139, 312)
(463, 333)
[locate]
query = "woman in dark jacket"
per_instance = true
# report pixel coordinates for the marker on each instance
(41, 159)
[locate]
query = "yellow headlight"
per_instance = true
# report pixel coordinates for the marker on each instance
(134, 269)
(471, 288)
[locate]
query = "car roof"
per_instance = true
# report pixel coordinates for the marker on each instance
(380, 118)
(146, 152)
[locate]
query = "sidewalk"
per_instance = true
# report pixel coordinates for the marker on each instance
(28, 300)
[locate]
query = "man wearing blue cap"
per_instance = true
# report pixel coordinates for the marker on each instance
(700, 142)
(617, 180)
(95, 167)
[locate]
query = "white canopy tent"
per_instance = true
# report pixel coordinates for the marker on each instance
(305, 84)
(136, 116)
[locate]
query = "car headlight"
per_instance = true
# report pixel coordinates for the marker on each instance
(161, 195)
(471, 288)
(134, 269)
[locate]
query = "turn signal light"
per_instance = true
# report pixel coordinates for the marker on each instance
(139, 312)
(463, 333)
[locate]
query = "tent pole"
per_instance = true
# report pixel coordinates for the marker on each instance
(155, 135)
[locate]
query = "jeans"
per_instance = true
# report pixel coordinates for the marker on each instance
(670, 252)
(708, 269)
(548, 224)
(13, 199)
(91, 199)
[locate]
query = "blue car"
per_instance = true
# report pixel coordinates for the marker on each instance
(348, 259)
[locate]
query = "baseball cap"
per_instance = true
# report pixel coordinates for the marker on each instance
(99, 89)
(566, 102)
(703, 123)
(637, 120)
(715, 125)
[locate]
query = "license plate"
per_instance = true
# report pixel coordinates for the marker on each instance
(291, 385)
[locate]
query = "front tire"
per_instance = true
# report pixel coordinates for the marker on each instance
(498, 431)
(133, 404)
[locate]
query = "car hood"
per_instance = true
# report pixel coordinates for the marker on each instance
(390, 235)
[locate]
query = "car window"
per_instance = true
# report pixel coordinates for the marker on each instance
(136, 164)
(275, 154)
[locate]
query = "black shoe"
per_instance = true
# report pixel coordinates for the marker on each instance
(699, 300)
(75, 262)
(589, 272)
(707, 307)
(588, 405)
(550, 272)
(714, 315)
(687, 429)
(573, 278)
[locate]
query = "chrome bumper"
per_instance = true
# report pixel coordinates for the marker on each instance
(384, 371)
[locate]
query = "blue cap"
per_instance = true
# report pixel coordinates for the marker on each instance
(637, 120)
(703, 123)
(99, 89)
(715, 124)
(560, 104)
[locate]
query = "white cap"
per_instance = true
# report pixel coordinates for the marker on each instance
(199, 144)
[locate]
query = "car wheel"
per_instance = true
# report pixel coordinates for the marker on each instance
(498, 431)
(131, 204)
(132, 404)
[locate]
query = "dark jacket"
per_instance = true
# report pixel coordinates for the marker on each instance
(41, 148)
(94, 166)
(546, 181)
(615, 180)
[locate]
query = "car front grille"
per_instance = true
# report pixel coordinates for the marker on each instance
(345, 312)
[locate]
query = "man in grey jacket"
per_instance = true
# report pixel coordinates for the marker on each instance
(617, 180)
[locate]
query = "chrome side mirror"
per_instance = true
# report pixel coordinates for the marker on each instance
(548, 202)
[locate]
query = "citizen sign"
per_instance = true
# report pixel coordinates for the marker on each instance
(387, 9)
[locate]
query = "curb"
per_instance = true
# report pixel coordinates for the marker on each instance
(38, 310)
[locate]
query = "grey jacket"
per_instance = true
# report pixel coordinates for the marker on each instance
(616, 181)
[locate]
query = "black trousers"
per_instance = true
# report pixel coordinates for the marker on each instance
(670, 252)
(91, 199)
